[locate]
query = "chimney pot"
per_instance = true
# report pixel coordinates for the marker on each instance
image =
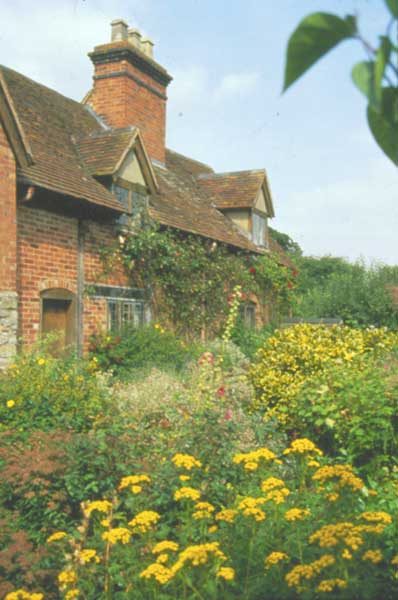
(119, 30)
(147, 47)
(135, 38)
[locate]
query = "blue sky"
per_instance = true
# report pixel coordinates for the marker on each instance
(334, 191)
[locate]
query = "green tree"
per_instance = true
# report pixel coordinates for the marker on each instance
(376, 77)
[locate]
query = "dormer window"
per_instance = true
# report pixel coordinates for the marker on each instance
(132, 197)
(259, 229)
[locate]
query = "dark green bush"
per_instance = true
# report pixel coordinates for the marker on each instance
(141, 347)
(250, 340)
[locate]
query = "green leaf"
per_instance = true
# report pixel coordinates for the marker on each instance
(392, 6)
(382, 58)
(384, 124)
(363, 75)
(315, 35)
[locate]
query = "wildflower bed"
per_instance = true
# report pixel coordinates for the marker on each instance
(289, 525)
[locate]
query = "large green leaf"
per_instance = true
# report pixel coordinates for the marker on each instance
(315, 35)
(363, 75)
(384, 124)
(382, 58)
(392, 7)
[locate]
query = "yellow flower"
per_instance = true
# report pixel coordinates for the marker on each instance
(58, 535)
(297, 514)
(165, 545)
(346, 554)
(10, 403)
(159, 572)
(23, 595)
(105, 522)
(302, 446)
(133, 482)
(376, 517)
(328, 585)
(251, 466)
(212, 528)
(203, 510)
(41, 361)
(162, 558)
(306, 572)
(145, 520)
(72, 594)
(100, 505)
(66, 577)
(271, 483)
(88, 555)
(226, 573)
(136, 489)
(118, 534)
(186, 492)
(198, 555)
(185, 461)
(274, 558)
(228, 515)
(374, 556)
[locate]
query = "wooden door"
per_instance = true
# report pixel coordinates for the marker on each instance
(57, 319)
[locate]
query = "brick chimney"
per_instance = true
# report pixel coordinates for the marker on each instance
(130, 87)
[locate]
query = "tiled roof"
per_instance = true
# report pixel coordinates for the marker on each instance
(179, 162)
(49, 121)
(103, 151)
(182, 204)
(232, 190)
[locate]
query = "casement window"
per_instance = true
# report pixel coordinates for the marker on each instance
(259, 229)
(132, 197)
(248, 315)
(123, 313)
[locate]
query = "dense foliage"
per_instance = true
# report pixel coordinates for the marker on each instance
(192, 277)
(359, 295)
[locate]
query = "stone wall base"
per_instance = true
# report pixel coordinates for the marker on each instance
(8, 327)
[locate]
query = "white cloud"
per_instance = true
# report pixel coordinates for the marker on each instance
(236, 84)
(188, 86)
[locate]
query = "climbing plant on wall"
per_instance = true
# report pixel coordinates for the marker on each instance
(191, 277)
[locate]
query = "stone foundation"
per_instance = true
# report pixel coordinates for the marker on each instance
(8, 327)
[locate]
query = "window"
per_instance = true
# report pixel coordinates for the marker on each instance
(131, 197)
(248, 315)
(259, 225)
(125, 312)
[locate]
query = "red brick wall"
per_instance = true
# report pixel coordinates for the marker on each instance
(47, 256)
(8, 234)
(122, 102)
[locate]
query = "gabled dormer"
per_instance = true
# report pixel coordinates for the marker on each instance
(244, 197)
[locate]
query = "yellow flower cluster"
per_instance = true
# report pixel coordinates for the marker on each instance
(345, 532)
(165, 545)
(66, 577)
(343, 476)
(251, 460)
(376, 517)
(274, 558)
(297, 514)
(88, 555)
(271, 483)
(186, 493)
(185, 461)
(302, 446)
(133, 482)
(249, 507)
(226, 573)
(203, 510)
(299, 572)
(328, 585)
(292, 355)
(103, 506)
(72, 594)
(23, 595)
(145, 520)
(198, 554)
(118, 534)
(374, 556)
(58, 535)
(227, 514)
(158, 572)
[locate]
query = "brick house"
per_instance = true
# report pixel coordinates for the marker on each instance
(69, 172)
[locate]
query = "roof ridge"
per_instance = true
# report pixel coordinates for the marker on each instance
(226, 173)
(198, 162)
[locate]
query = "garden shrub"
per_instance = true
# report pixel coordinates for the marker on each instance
(293, 355)
(352, 409)
(40, 392)
(319, 531)
(141, 347)
(250, 340)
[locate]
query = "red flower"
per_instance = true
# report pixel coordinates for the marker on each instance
(221, 392)
(289, 285)
(228, 414)
(252, 270)
(295, 273)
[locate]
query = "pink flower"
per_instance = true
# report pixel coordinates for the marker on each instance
(221, 392)
(207, 357)
(228, 414)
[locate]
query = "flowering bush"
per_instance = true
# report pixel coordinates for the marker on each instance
(41, 392)
(289, 525)
(292, 356)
